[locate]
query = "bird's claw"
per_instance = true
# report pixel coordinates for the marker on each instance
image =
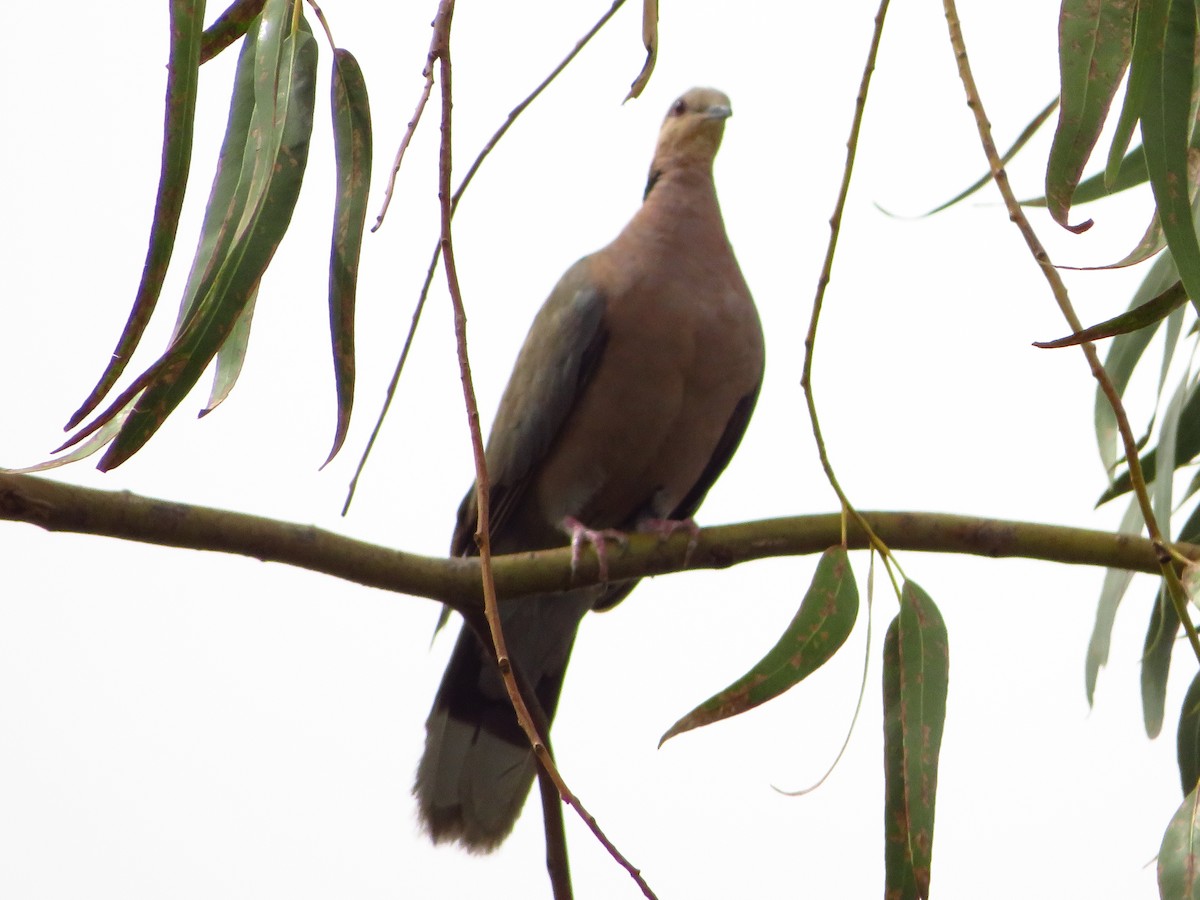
(598, 538)
(665, 528)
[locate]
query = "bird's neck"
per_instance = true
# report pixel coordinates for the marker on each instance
(681, 202)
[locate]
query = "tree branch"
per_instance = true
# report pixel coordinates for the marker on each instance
(55, 506)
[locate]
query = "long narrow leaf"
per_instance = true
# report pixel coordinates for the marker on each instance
(1186, 447)
(1149, 313)
(231, 356)
(1116, 583)
(280, 131)
(1130, 173)
(229, 26)
(1022, 139)
(1166, 132)
(183, 87)
(1160, 644)
(821, 625)
(1123, 355)
(900, 879)
(1187, 739)
(1146, 47)
(1095, 42)
(1179, 855)
(1168, 446)
(1156, 661)
(352, 150)
(915, 684)
(230, 189)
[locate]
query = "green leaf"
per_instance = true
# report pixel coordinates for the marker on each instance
(1187, 740)
(915, 683)
(1145, 46)
(1186, 446)
(1123, 355)
(1166, 129)
(1095, 42)
(1149, 313)
(1168, 445)
(273, 166)
(1116, 582)
(1160, 643)
(352, 149)
(183, 86)
(231, 356)
(1130, 173)
(229, 26)
(1179, 855)
(1156, 661)
(1022, 139)
(821, 625)
(230, 190)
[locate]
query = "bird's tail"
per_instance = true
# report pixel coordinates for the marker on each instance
(477, 768)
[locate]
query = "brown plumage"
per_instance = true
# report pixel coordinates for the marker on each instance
(632, 390)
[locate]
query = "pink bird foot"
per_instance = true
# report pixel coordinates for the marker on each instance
(664, 528)
(598, 538)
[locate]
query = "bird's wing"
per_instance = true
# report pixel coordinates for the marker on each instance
(722, 453)
(556, 363)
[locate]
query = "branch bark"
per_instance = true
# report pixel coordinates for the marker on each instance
(55, 506)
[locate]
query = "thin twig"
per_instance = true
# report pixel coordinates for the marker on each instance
(810, 340)
(426, 90)
(437, 250)
(1061, 297)
(491, 608)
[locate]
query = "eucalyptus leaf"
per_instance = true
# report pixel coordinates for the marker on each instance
(819, 628)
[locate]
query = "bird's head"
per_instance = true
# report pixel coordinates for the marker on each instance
(691, 133)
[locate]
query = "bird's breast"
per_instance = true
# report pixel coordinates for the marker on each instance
(680, 353)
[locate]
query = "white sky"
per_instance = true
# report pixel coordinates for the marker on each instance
(187, 725)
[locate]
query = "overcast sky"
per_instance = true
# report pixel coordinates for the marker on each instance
(186, 725)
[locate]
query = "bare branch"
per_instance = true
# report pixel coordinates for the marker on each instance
(456, 582)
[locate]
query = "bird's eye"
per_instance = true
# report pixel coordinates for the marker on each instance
(679, 107)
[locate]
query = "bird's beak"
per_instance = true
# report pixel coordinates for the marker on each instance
(719, 112)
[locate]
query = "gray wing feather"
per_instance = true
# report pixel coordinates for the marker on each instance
(555, 365)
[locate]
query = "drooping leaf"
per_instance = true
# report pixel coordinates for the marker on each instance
(1149, 313)
(230, 188)
(900, 878)
(1116, 582)
(1130, 173)
(1160, 643)
(273, 165)
(229, 26)
(231, 356)
(86, 448)
(1095, 42)
(1123, 355)
(1022, 139)
(915, 683)
(183, 87)
(352, 150)
(1187, 740)
(1186, 446)
(1145, 46)
(1166, 129)
(1179, 855)
(1156, 661)
(1168, 444)
(821, 625)
(650, 42)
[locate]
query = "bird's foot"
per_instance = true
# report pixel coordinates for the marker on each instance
(664, 528)
(598, 538)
